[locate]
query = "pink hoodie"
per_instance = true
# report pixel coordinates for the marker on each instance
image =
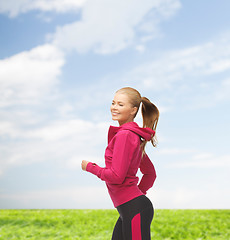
(122, 160)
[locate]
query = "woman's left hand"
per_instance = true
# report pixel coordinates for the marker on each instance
(84, 164)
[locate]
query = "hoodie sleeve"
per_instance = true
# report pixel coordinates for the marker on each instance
(149, 174)
(124, 147)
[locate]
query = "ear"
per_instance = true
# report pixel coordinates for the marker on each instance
(134, 111)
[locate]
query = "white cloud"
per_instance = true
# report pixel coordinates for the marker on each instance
(66, 129)
(75, 160)
(67, 198)
(15, 7)
(203, 160)
(91, 197)
(182, 197)
(6, 128)
(174, 151)
(186, 65)
(140, 48)
(28, 76)
(223, 92)
(110, 26)
(62, 141)
(31, 134)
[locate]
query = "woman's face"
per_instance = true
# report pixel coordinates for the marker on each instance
(121, 109)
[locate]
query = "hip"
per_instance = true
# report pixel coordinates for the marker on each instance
(134, 206)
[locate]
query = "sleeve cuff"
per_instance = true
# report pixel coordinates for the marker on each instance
(93, 168)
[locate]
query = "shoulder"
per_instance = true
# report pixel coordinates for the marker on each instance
(127, 135)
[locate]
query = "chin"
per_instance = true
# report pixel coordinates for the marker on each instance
(115, 119)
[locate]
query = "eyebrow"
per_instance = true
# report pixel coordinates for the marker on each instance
(118, 102)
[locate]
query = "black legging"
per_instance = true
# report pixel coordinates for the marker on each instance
(135, 220)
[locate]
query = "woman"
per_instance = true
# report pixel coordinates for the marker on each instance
(124, 155)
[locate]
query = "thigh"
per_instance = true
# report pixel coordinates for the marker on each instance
(146, 219)
(135, 219)
(123, 229)
(139, 226)
(117, 231)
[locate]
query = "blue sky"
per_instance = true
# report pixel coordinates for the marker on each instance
(60, 64)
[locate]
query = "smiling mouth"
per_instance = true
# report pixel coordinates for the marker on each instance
(115, 113)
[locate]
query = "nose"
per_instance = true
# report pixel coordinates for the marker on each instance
(114, 106)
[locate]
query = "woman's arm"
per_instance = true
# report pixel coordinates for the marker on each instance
(149, 174)
(123, 149)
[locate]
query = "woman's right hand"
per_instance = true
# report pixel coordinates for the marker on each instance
(84, 164)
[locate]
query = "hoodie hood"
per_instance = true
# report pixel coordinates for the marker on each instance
(145, 133)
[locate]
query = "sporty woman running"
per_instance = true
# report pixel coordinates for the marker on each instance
(124, 155)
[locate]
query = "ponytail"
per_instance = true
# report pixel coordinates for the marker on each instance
(150, 114)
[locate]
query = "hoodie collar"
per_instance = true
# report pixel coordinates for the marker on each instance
(145, 133)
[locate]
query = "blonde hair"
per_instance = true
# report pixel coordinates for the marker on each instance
(150, 112)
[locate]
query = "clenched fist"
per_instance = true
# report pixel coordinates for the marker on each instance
(84, 164)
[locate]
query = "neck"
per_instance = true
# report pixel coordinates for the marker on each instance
(122, 123)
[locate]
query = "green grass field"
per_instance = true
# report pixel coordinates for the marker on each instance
(98, 224)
